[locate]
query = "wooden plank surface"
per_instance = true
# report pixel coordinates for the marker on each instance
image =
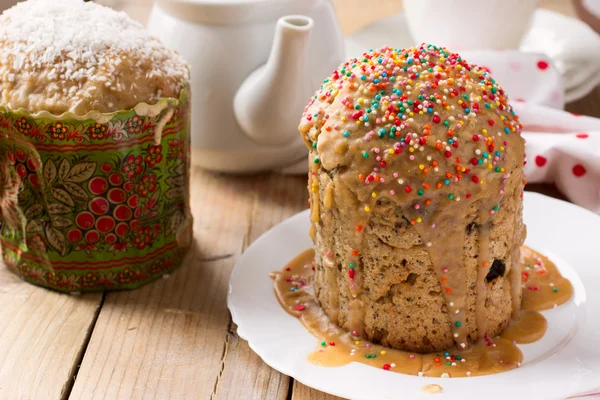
(42, 336)
(245, 376)
(303, 392)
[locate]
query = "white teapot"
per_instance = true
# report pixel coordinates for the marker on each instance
(255, 64)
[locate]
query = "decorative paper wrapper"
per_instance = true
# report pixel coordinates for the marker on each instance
(97, 202)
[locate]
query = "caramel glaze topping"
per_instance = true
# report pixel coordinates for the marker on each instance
(543, 288)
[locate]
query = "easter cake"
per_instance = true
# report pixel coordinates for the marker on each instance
(94, 141)
(415, 185)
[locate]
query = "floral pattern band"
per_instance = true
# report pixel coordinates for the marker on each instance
(88, 205)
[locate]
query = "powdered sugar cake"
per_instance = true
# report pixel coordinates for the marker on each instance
(94, 148)
(67, 55)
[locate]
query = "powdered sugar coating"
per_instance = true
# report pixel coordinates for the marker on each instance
(72, 56)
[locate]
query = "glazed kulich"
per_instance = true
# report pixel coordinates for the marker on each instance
(415, 188)
(94, 155)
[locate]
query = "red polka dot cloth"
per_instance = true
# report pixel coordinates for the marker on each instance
(564, 149)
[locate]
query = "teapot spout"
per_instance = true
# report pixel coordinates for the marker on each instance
(269, 103)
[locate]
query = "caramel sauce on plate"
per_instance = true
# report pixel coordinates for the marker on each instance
(543, 288)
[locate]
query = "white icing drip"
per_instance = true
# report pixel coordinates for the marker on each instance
(161, 124)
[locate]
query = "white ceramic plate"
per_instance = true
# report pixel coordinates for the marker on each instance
(571, 44)
(566, 362)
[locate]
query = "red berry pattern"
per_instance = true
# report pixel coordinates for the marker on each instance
(10, 157)
(22, 171)
(133, 201)
(122, 229)
(98, 185)
(105, 224)
(21, 156)
(32, 164)
(92, 236)
(34, 180)
(74, 235)
(116, 179)
(106, 168)
(111, 238)
(116, 196)
(99, 206)
(85, 220)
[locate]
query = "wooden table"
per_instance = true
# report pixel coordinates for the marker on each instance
(173, 338)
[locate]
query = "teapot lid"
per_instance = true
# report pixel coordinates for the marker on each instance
(234, 11)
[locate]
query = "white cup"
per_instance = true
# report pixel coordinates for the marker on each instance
(469, 24)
